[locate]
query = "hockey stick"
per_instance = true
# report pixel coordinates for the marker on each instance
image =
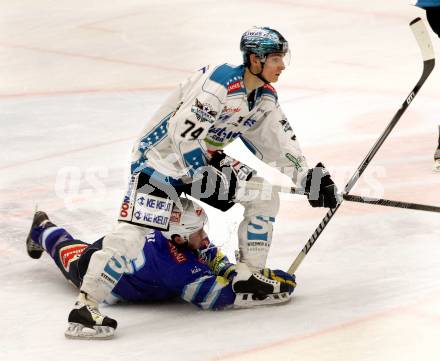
(347, 197)
(419, 30)
(390, 203)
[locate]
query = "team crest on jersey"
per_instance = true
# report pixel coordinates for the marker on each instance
(71, 253)
(204, 112)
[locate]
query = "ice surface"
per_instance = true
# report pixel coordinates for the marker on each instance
(79, 79)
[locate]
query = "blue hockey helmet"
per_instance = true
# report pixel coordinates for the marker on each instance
(262, 41)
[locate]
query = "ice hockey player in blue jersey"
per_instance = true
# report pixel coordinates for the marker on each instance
(180, 262)
(180, 151)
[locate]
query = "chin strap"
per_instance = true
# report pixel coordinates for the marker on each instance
(258, 75)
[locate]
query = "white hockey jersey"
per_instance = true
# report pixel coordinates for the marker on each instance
(204, 114)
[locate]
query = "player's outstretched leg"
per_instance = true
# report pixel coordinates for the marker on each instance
(39, 223)
(87, 322)
(437, 155)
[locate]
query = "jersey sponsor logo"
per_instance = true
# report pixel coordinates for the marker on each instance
(224, 117)
(234, 87)
(231, 110)
(249, 122)
(152, 211)
(179, 257)
(286, 126)
(203, 112)
(71, 253)
(296, 161)
(260, 34)
(195, 270)
(113, 270)
(222, 135)
(127, 203)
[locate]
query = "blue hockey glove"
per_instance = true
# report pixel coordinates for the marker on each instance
(228, 271)
(322, 191)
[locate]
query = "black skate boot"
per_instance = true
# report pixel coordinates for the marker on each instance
(255, 289)
(34, 250)
(87, 322)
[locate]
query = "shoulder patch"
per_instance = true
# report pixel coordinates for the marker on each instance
(229, 76)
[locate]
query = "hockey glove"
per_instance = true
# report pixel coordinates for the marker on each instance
(228, 271)
(322, 191)
(223, 174)
(287, 281)
(225, 164)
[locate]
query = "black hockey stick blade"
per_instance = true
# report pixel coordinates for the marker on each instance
(390, 203)
(422, 37)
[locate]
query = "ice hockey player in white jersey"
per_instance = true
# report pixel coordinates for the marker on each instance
(432, 8)
(180, 150)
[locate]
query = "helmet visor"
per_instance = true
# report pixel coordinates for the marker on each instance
(277, 59)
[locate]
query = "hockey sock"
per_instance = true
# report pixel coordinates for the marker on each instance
(50, 237)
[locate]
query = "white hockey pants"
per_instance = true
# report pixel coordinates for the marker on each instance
(255, 231)
(123, 244)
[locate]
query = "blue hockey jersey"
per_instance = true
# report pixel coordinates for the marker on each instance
(164, 271)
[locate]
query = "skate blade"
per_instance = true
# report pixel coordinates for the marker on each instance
(248, 300)
(80, 332)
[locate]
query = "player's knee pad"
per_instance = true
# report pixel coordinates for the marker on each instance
(255, 238)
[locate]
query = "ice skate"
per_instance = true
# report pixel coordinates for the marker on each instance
(86, 321)
(249, 300)
(34, 249)
(256, 283)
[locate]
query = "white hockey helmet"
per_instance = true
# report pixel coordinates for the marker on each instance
(186, 221)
